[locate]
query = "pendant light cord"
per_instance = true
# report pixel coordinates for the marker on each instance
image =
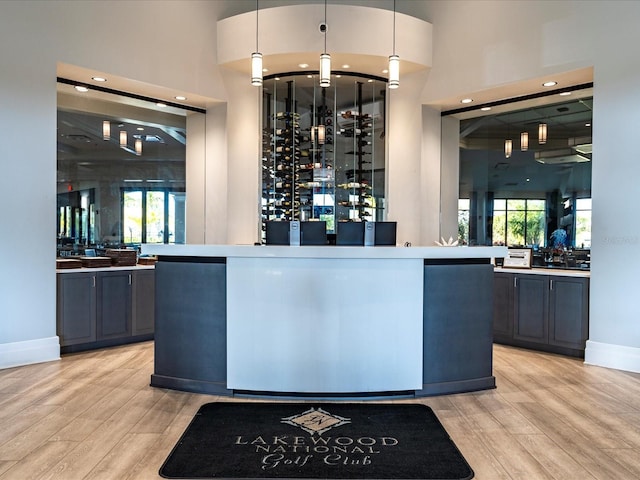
(257, 25)
(325, 25)
(394, 27)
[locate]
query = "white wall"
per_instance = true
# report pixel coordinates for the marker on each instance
(485, 44)
(164, 44)
(477, 45)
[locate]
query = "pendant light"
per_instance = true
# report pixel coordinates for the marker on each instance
(394, 60)
(524, 141)
(256, 59)
(123, 138)
(508, 147)
(106, 130)
(325, 58)
(542, 133)
(318, 135)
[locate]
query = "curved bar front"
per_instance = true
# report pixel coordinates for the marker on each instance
(326, 322)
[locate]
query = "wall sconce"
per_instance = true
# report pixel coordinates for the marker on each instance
(123, 138)
(138, 146)
(524, 141)
(542, 133)
(106, 130)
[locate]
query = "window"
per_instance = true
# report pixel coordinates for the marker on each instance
(583, 223)
(152, 216)
(463, 221)
(518, 222)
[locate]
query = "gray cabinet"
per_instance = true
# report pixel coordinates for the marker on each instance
(143, 298)
(103, 308)
(503, 284)
(544, 312)
(114, 304)
(76, 308)
(531, 306)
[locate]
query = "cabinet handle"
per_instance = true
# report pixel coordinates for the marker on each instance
(129, 279)
(515, 282)
(551, 285)
(94, 281)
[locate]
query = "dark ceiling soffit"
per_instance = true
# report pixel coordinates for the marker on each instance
(333, 72)
(130, 95)
(506, 101)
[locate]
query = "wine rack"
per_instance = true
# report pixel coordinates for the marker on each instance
(323, 157)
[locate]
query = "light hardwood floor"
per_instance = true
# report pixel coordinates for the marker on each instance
(94, 416)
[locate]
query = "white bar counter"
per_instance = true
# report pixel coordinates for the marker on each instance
(311, 320)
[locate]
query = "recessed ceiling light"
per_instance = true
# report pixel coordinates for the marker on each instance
(265, 69)
(309, 76)
(338, 76)
(180, 97)
(80, 88)
(466, 100)
(370, 81)
(485, 109)
(587, 124)
(564, 94)
(549, 84)
(385, 71)
(303, 65)
(161, 105)
(140, 129)
(346, 66)
(99, 79)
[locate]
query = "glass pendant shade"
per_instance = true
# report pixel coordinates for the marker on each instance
(524, 141)
(542, 133)
(508, 147)
(123, 138)
(138, 146)
(106, 130)
(394, 71)
(325, 70)
(256, 69)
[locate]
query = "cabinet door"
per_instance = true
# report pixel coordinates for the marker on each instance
(114, 304)
(503, 305)
(531, 302)
(568, 312)
(76, 308)
(144, 283)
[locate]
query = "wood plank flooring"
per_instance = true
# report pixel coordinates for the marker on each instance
(94, 416)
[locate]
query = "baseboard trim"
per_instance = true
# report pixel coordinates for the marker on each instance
(40, 350)
(607, 355)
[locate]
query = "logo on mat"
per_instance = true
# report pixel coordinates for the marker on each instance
(316, 421)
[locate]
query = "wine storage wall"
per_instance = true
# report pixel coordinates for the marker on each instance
(323, 150)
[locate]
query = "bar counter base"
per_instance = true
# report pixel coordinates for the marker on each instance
(427, 331)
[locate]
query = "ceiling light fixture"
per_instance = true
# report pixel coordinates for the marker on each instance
(303, 65)
(325, 58)
(466, 100)
(99, 79)
(180, 97)
(256, 59)
(542, 133)
(524, 141)
(161, 105)
(564, 94)
(549, 84)
(106, 130)
(346, 66)
(394, 60)
(485, 109)
(81, 88)
(123, 138)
